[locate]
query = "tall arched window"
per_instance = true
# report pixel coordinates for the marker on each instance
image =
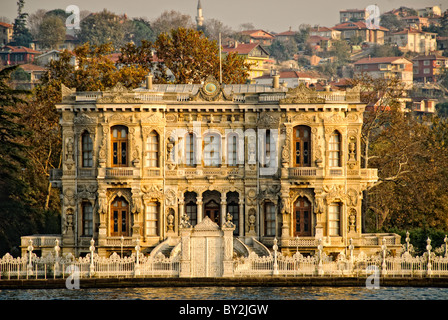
(302, 146)
(269, 219)
(334, 217)
(212, 148)
(87, 219)
(232, 150)
(152, 213)
(302, 217)
(233, 209)
(87, 150)
(152, 149)
(119, 214)
(334, 148)
(190, 150)
(191, 210)
(119, 139)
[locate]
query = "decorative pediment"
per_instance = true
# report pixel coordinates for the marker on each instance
(206, 225)
(118, 94)
(68, 94)
(302, 94)
(267, 120)
(154, 118)
(84, 119)
(211, 91)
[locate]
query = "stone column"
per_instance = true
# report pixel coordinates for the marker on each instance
(241, 218)
(185, 259)
(223, 208)
(227, 229)
(181, 204)
(199, 206)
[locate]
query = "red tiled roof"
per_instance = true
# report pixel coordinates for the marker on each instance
(321, 29)
(6, 25)
(241, 48)
(430, 57)
(251, 33)
(31, 67)
(359, 25)
(286, 33)
(19, 49)
(379, 60)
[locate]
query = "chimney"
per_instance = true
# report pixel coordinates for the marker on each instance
(149, 82)
(276, 81)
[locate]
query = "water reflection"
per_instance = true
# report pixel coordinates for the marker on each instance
(230, 293)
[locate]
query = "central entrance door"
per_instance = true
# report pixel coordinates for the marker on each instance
(212, 211)
(119, 217)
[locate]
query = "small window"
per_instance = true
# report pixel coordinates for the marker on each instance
(232, 208)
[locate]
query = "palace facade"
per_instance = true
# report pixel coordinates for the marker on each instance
(278, 163)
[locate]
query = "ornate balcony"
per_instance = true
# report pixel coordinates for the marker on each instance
(306, 172)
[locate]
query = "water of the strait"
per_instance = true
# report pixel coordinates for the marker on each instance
(230, 293)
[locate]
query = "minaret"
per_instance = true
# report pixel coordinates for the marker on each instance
(199, 17)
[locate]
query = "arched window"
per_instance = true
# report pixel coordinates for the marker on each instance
(334, 148)
(269, 219)
(87, 150)
(119, 146)
(87, 219)
(190, 150)
(302, 217)
(191, 210)
(152, 221)
(232, 150)
(152, 149)
(212, 148)
(334, 217)
(119, 210)
(302, 146)
(233, 209)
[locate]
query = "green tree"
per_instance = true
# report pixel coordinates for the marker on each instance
(14, 207)
(170, 20)
(141, 30)
(101, 28)
(283, 50)
(21, 34)
(191, 57)
(51, 32)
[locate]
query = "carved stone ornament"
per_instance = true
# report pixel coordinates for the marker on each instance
(84, 119)
(302, 94)
(206, 225)
(335, 192)
(211, 91)
(118, 94)
(267, 120)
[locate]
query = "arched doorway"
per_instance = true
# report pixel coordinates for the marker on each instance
(302, 217)
(119, 217)
(212, 209)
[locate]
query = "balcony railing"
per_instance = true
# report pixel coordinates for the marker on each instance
(305, 172)
(41, 240)
(121, 172)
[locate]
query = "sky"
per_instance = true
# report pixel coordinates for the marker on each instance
(269, 15)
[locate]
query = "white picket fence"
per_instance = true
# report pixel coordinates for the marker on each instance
(430, 264)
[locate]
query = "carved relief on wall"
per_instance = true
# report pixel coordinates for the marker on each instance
(103, 147)
(87, 191)
(335, 193)
(152, 192)
(317, 147)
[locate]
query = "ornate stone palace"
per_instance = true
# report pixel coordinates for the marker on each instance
(278, 163)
